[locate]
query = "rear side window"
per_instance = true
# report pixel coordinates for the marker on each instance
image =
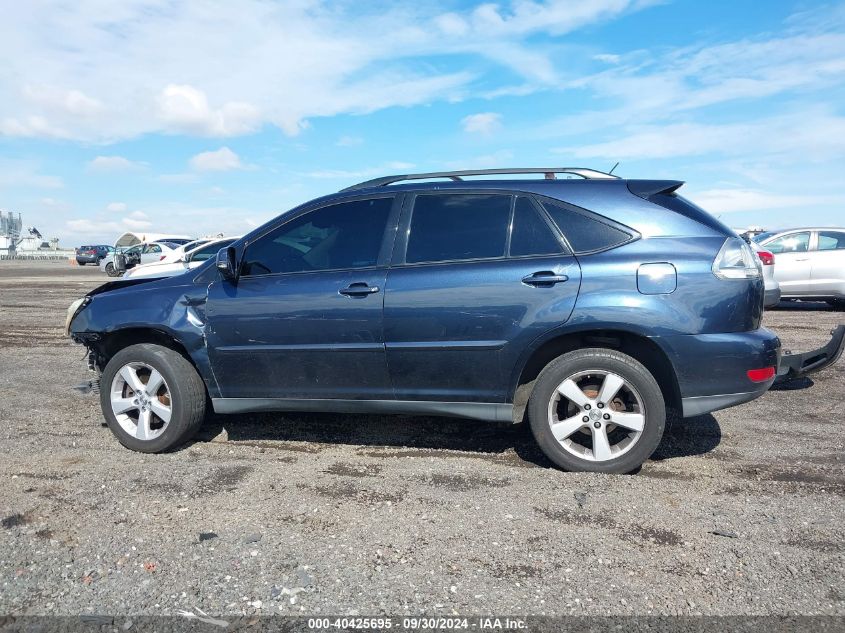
(531, 235)
(583, 232)
(458, 226)
(831, 240)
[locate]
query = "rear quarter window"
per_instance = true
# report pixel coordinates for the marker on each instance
(585, 233)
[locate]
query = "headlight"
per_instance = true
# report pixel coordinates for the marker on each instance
(73, 310)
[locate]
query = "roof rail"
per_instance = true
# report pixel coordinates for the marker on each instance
(548, 172)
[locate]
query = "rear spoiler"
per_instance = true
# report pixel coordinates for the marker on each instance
(647, 188)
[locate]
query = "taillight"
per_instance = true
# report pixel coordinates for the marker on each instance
(766, 257)
(760, 375)
(736, 260)
(162, 257)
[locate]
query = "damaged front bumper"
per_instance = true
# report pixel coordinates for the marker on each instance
(794, 366)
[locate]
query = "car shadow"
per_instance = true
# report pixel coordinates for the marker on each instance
(687, 437)
(804, 382)
(797, 305)
(429, 436)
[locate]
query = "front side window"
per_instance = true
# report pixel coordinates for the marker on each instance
(448, 227)
(340, 236)
(831, 240)
(792, 243)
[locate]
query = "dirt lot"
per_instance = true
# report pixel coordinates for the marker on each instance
(739, 512)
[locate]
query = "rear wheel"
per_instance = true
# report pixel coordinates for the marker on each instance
(152, 398)
(597, 410)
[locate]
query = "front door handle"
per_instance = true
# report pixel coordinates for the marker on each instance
(359, 289)
(544, 278)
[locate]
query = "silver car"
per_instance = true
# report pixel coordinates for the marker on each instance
(771, 295)
(810, 262)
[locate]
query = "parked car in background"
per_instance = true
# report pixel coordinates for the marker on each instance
(588, 306)
(138, 254)
(810, 263)
(184, 261)
(93, 254)
(771, 296)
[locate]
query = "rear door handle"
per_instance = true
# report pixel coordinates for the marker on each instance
(359, 289)
(544, 278)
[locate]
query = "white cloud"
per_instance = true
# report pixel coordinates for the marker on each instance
(184, 108)
(134, 224)
(105, 71)
(116, 207)
(112, 163)
(222, 159)
(484, 123)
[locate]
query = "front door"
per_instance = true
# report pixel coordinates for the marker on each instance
(304, 320)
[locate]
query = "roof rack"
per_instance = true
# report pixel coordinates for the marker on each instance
(548, 172)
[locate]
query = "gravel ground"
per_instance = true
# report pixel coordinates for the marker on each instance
(739, 512)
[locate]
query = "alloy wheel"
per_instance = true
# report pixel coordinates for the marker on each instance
(596, 415)
(140, 400)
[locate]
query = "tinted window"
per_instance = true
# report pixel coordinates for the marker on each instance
(346, 235)
(530, 234)
(831, 240)
(791, 243)
(584, 233)
(458, 226)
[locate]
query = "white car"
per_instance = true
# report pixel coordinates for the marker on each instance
(138, 255)
(810, 263)
(188, 260)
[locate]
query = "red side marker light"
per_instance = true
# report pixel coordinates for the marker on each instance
(760, 375)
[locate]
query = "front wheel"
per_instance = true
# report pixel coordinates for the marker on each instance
(597, 410)
(111, 271)
(152, 398)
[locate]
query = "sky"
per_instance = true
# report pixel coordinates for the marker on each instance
(203, 117)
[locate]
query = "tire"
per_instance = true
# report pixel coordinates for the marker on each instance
(638, 402)
(181, 391)
(110, 270)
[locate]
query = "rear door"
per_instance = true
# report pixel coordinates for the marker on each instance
(828, 263)
(792, 262)
(476, 277)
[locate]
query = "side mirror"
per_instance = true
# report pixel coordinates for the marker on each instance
(227, 264)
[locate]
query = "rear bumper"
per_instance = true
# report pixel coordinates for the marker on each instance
(712, 368)
(699, 405)
(793, 366)
(771, 297)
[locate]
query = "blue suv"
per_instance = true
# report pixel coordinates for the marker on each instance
(588, 304)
